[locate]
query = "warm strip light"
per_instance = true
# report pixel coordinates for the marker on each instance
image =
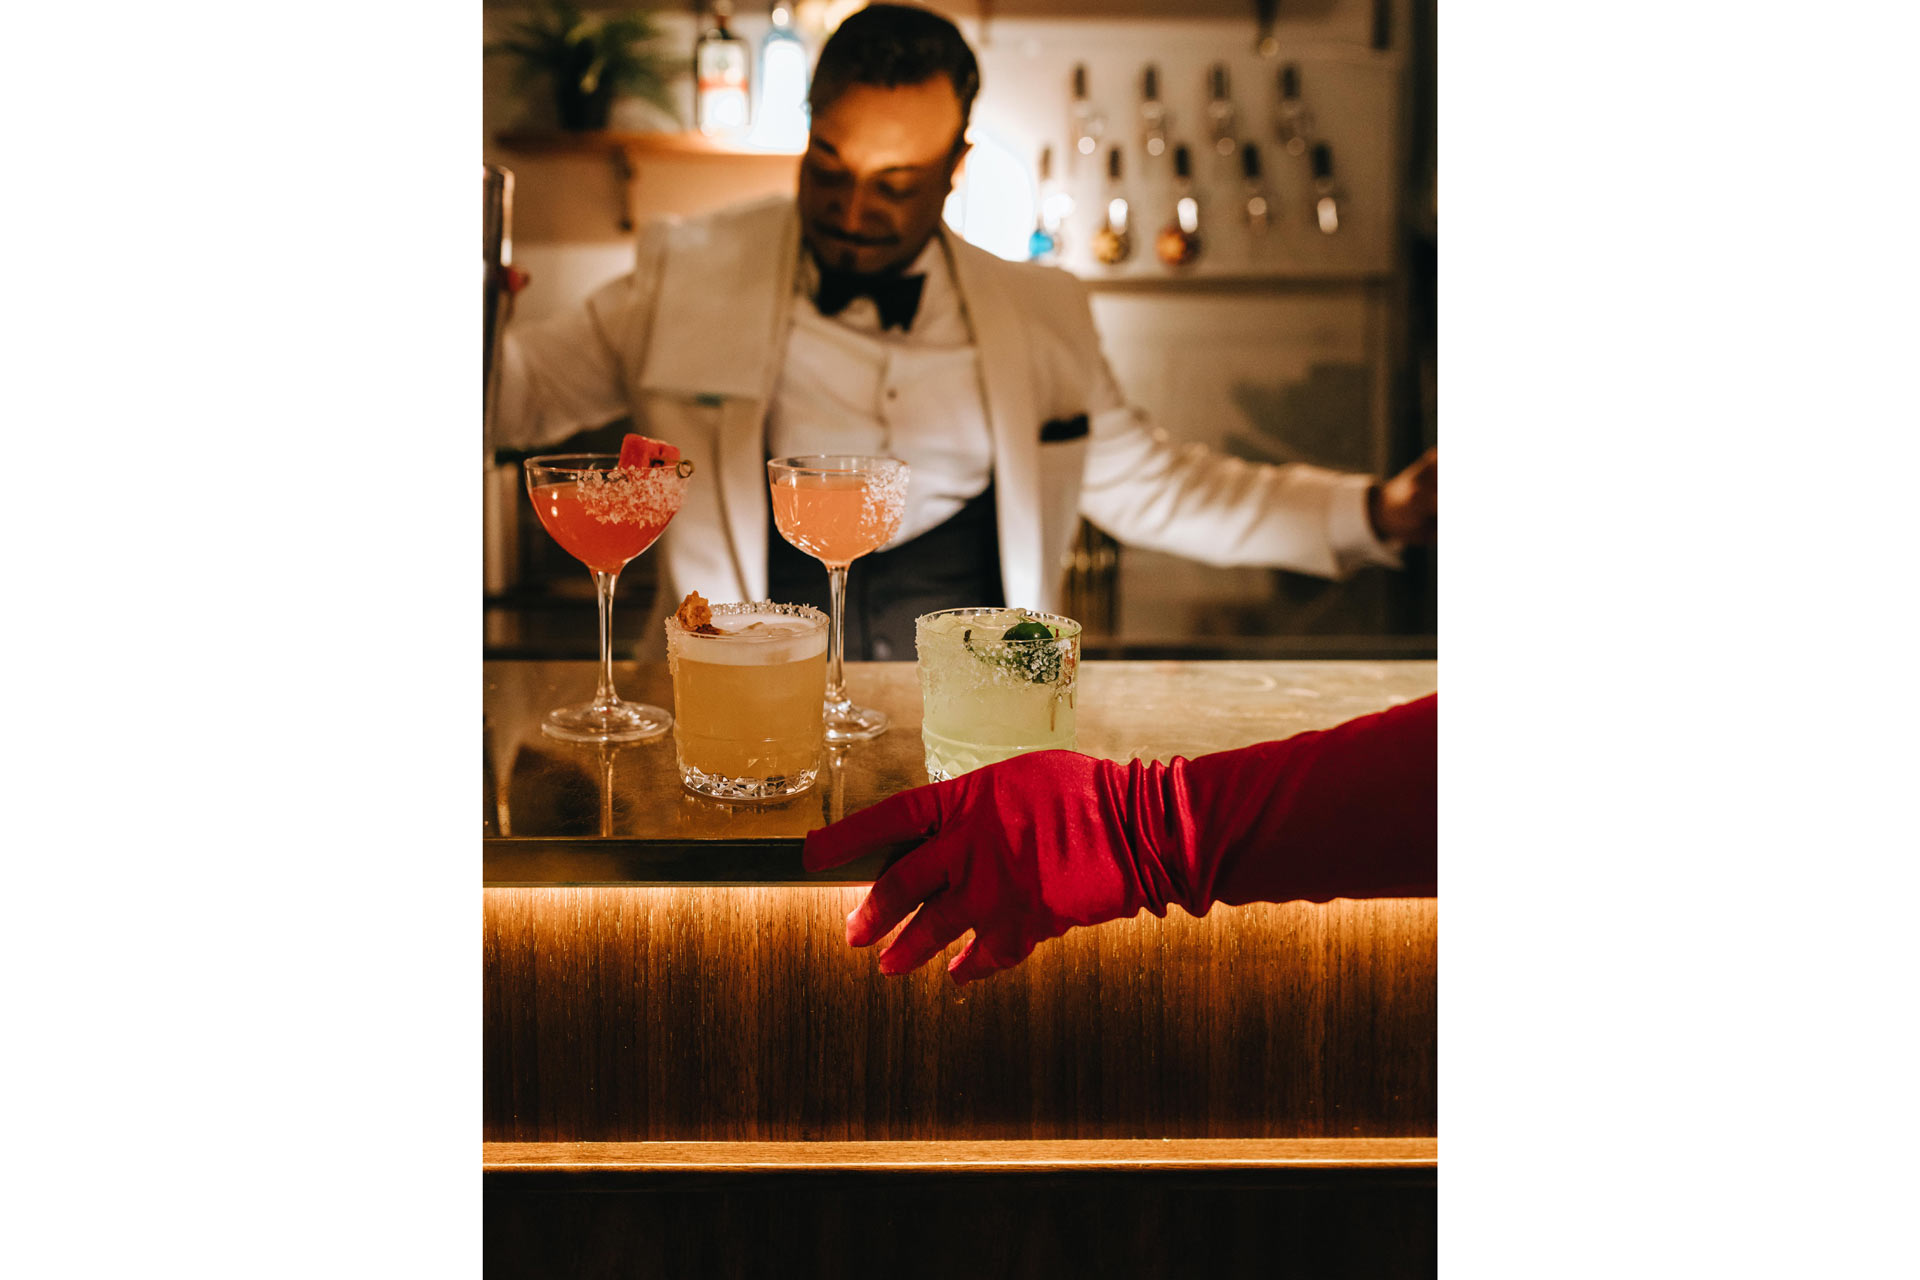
(1151, 1153)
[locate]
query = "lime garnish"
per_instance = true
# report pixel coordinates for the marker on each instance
(1041, 666)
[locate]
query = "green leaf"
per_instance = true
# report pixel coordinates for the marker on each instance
(559, 43)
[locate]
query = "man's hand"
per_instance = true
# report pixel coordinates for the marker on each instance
(1405, 509)
(511, 279)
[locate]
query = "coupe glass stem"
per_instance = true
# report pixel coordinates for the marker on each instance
(606, 790)
(604, 698)
(838, 704)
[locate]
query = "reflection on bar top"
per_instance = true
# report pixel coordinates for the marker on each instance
(537, 787)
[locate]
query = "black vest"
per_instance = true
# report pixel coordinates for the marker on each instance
(951, 566)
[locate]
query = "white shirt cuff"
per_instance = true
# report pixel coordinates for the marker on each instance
(1349, 530)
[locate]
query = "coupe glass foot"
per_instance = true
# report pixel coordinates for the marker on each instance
(621, 722)
(855, 724)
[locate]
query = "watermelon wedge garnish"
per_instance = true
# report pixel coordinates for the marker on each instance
(639, 451)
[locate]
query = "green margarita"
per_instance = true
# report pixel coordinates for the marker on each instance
(994, 683)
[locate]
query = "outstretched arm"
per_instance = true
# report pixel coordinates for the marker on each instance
(1023, 850)
(1189, 500)
(568, 372)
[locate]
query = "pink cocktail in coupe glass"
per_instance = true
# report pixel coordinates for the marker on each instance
(837, 507)
(605, 514)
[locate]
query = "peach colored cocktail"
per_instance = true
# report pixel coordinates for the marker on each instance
(835, 518)
(837, 508)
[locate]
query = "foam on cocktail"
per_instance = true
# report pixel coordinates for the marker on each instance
(754, 639)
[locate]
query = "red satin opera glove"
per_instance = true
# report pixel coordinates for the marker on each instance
(1023, 850)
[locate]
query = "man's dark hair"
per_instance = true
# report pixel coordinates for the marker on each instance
(894, 44)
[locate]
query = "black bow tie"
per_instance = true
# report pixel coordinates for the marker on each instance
(898, 297)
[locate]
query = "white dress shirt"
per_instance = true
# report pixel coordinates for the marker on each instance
(693, 341)
(845, 386)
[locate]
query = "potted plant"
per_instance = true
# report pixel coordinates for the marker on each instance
(588, 60)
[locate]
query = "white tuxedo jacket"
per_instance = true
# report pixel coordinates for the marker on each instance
(689, 345)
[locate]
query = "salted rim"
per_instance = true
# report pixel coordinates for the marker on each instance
(1068, 627)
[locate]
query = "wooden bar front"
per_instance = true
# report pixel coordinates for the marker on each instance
(739, 1014)
(677, 1036)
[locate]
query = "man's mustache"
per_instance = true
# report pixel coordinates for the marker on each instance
(854, 237)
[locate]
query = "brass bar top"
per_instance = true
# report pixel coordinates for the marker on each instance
(560, 813)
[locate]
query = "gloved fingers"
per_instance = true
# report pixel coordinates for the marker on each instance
(903, 886)
(984, 957)
(938, 922)
(908, 815)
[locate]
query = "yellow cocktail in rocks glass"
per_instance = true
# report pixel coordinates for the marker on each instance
(994, 683)
(748, 702)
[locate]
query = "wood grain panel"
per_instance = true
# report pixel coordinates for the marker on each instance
(738, 1014)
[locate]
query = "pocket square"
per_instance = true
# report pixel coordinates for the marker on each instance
(1063, 429)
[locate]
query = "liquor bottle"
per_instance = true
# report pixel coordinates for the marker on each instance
(721, 106)
(1153, 114)
(780, 116)
(1056, 202)
(1088, 124)
(1265, 44)
(1111, 243)
(1220, 110)
(1294, 125)
(1257, 210)
(1178, 243)
(1326, 196)
(1044, 244)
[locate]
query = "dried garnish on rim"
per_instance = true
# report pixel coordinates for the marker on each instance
(696, 617)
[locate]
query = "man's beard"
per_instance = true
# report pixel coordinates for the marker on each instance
(839, 255)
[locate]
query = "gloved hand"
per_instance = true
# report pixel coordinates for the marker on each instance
(1023, 850)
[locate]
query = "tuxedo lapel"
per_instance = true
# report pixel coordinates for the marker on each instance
(719, 336)
(1006, 384)
(725, 287)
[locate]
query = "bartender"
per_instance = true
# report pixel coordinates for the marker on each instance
(850, 320)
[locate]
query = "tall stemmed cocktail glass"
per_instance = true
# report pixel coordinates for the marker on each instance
(605, 514)
(837, 507)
